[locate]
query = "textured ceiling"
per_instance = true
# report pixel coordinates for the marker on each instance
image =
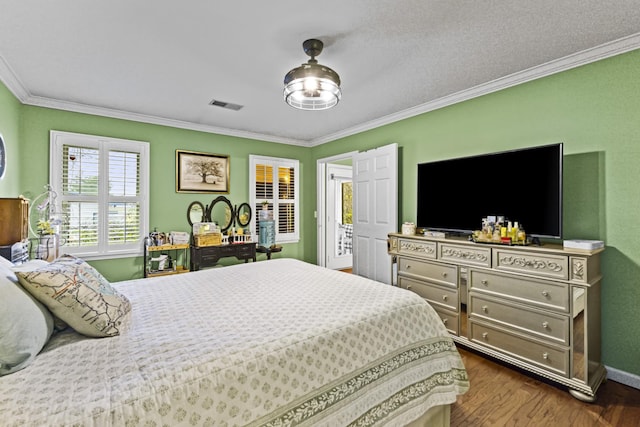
(165, 61)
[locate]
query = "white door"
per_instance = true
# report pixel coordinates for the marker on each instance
(375, 210)
(339, 224)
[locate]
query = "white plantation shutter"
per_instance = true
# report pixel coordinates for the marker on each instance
(276, 181)
(79, 195)
(102, 187)
(263, 183)
(124, 192)
(286, 200)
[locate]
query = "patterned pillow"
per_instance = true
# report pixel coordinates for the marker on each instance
(79, 295)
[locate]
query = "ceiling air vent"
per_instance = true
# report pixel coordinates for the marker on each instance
(226, 105)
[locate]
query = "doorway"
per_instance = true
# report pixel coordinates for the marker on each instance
(339, 235)
(334, 214)
(374, 174)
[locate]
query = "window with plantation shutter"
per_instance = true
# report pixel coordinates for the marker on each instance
(276, 181)
(102, 187)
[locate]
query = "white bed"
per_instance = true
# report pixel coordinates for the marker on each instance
(272, 343)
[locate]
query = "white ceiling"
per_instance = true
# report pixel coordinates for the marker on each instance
(163, 61)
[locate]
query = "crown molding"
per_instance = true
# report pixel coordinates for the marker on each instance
(125, 115)
(607, 50)
(575, 60)
(11, 81)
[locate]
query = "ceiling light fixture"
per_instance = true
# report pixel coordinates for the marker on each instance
(312, 86)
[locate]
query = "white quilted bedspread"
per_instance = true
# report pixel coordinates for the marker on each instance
(277, 342)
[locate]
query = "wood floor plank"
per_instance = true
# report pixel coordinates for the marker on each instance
(502, 395)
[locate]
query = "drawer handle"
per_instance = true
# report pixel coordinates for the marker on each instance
(444, 297)
(485, 308)
(444, 321)
(545, 355)
(444, 274)
(409, 287)
(408, 266)
(545, 325)
(545, 293)
(485, 335)
(484, 281)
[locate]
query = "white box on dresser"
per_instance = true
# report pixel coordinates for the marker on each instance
(535, 307)
(588, 245)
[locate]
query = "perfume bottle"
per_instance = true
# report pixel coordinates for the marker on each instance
(521, 236)
(514, 232)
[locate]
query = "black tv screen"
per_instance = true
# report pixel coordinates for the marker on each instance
(523, 185)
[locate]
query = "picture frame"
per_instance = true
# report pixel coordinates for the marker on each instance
(198, 172)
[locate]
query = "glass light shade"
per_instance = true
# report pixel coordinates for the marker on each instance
(312, 87)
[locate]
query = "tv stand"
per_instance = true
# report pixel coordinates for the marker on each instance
(533, 307)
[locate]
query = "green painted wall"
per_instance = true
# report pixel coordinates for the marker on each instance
(168, 208)
(595, 111)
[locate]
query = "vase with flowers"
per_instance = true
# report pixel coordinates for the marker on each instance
(44, 227)
(48, 240)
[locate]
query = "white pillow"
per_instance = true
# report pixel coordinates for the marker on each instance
(32, 264)
(79, 295)
(5, 262)
(25, 325)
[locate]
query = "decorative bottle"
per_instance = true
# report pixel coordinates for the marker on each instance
(514, 232)
(522, 236)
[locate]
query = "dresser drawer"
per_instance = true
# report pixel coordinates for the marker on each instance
(465, 254)
(438, 296)
(552, 327)
(417, 248)
(443, 274)
(245, 250)
(540, 293)
(546, 356)
(542, 265)
(208, 256)
(450, 320)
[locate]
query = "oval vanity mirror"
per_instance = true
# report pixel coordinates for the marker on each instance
(3, 157)
(195, 213)
(243, 214)
(221, 212)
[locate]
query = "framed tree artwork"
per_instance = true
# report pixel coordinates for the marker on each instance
(201, 172)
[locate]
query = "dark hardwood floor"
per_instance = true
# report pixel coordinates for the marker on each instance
(505, 396)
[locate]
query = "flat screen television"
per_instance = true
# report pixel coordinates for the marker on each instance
(523, 185)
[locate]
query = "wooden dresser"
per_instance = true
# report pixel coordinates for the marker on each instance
(14, 220)
(535, 307)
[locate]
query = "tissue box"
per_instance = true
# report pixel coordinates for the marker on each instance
(205, 228)
(583, 244)
(179, 237)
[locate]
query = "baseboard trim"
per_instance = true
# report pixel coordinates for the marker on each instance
(623, 377)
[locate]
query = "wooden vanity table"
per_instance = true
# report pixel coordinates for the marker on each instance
(208, 256)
